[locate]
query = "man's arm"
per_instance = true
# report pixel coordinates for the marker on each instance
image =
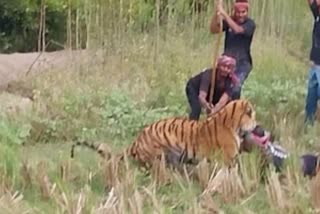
(314, 6)
(215, 23)
(204, 88)
(247, 29)
(232, 24)
(311, 1)
(216, 20)
(222, 102)
(226, 97)
(203, 102)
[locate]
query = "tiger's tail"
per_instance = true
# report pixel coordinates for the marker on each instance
(101, 148)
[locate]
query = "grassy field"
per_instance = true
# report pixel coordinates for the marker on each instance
(121, 90)
(112, 101)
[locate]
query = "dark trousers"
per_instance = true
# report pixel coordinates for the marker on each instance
(242, 72)
(194, 102)
(313, 94)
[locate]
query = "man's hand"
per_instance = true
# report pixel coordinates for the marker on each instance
(219, 3)
(220, 10)
(214, 110)
(209, 108)
(311, 1)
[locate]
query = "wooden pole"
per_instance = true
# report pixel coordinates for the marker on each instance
(215, 56)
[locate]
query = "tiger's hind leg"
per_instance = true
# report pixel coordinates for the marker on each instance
(179, 162)
(172, 159)
(175, 158)
(147, 160)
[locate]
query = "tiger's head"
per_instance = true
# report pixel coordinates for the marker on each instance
(248, 121)
(241, 116)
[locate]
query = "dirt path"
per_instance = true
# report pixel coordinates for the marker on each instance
(15, 66)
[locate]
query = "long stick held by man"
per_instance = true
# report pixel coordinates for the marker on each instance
(216, 51)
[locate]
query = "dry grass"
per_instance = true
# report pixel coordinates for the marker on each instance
(315, 194)
(13, 203)
(123, 191)
(275, 193)
(45, 185)
(73, 102)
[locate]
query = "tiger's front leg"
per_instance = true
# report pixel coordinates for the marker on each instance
(230, 151)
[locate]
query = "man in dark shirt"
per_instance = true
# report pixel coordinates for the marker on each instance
(198, 88)
(239, 30)
(310, 164)
(314, 73)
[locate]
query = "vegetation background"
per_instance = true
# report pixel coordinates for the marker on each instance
(138, 56)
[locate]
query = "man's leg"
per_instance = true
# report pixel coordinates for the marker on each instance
(317, 71)
(242, 72)
(312, 96)
(194, 103)
(317, 114)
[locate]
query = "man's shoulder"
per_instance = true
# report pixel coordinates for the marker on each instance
(206, 71)
(203, 74)
(206, 74)
(314, 7)
(250, 21)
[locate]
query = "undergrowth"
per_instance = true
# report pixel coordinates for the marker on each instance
(112, 99)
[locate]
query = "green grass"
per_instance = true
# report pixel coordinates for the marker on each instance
(112, 102)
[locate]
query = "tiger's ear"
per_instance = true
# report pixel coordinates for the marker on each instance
(249, 110)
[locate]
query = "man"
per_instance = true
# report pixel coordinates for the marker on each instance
(198, 88)
(310, 165)
(239, 30)
(272, 152)
(198, 92)
(313, 93)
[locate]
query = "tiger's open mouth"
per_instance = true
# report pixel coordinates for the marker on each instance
(247, 129)
(242, 133)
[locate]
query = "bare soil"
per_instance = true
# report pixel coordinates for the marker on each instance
(17, 65)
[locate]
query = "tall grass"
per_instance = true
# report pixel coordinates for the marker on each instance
(139, 55)
(112, 23)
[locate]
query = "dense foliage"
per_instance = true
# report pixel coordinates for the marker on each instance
(78, 23)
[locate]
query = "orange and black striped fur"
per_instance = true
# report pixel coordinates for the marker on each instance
(184, 140)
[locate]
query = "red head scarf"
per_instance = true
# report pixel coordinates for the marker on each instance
(241, 4)
(229, 61)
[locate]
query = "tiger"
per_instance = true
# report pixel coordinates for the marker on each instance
(181, 140)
